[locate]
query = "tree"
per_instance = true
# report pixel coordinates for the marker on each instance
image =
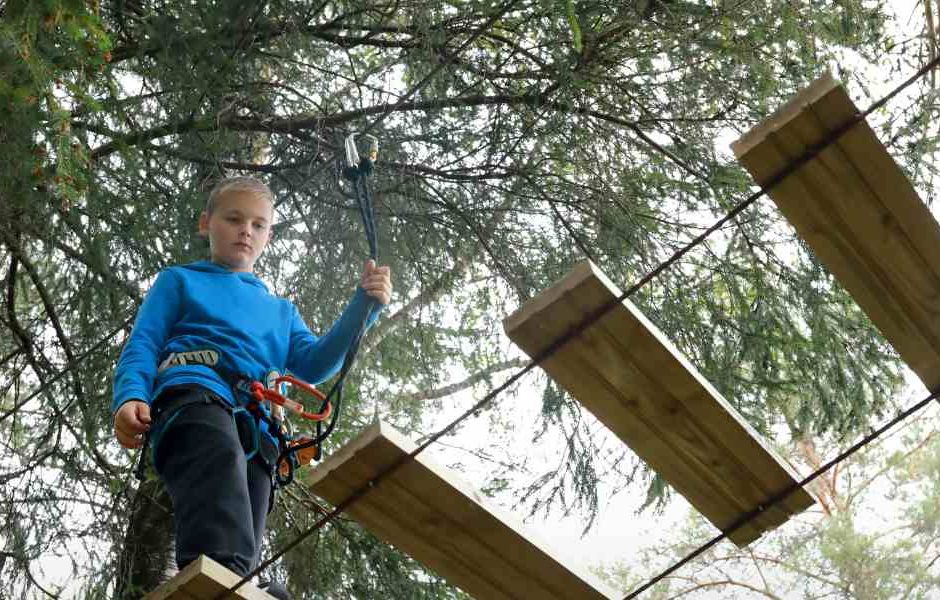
(873, 535)
(564, 129)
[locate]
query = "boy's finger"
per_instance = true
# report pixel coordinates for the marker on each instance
(382, 293)
(135, 425)
(143, 413)
(131, 425)
(128, 441)
(129, 429)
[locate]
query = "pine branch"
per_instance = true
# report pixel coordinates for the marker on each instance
(467, 383)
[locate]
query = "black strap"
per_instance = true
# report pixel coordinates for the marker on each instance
(169, 401)
(358, 176)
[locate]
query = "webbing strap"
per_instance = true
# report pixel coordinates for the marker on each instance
(358, 175)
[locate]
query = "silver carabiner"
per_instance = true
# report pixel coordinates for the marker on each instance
(352, 152)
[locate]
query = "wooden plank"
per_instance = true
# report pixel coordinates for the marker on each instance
(625, 371)
(205, 579)
(860, 215)
(429, 513)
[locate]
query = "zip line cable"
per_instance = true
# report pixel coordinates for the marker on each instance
(595, 315)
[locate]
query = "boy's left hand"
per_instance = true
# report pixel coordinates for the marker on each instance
(377, 282)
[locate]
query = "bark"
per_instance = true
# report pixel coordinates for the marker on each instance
(147, 552)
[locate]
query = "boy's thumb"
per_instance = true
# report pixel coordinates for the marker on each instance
(143, 413)
(370, 265)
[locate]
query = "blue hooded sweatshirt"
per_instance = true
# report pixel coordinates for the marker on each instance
(232, 319)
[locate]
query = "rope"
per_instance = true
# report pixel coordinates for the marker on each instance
(593, 317)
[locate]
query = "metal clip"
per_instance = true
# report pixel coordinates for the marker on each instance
(352, 152)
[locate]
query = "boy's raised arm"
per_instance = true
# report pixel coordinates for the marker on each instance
(316, 359)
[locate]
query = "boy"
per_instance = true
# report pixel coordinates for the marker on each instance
(198, 323)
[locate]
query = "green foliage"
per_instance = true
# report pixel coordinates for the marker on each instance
(572, 15)
(51, 56)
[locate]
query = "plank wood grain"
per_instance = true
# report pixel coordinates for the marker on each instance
(428, 512)
(625, 371)
(205, 579)
(859, 214)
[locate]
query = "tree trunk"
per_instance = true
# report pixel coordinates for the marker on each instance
(147, 553)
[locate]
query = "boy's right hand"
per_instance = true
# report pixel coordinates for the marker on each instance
(131, 422)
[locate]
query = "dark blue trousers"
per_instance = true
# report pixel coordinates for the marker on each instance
(220, 499)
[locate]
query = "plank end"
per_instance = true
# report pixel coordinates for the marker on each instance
(538, 303)
(205, 579)
(783, 115)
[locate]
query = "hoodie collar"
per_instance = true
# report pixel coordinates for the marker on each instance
(207, 266)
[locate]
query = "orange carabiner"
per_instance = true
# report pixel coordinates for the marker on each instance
(261, 393)
(313, 391)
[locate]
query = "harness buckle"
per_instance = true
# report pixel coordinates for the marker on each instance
(301, 457)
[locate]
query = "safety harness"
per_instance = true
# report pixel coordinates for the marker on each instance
(293, 451)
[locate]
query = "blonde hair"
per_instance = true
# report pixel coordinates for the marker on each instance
(238, 184)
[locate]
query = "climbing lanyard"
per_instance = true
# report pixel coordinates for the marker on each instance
(357, 171)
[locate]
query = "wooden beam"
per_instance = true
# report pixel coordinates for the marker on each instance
(625, 371)
(205, 579)
(860, 214)
(428, 512)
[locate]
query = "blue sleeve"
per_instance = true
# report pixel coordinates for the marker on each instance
(137, 367)
(316, 359)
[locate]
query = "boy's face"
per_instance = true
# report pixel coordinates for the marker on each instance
(238, 229)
